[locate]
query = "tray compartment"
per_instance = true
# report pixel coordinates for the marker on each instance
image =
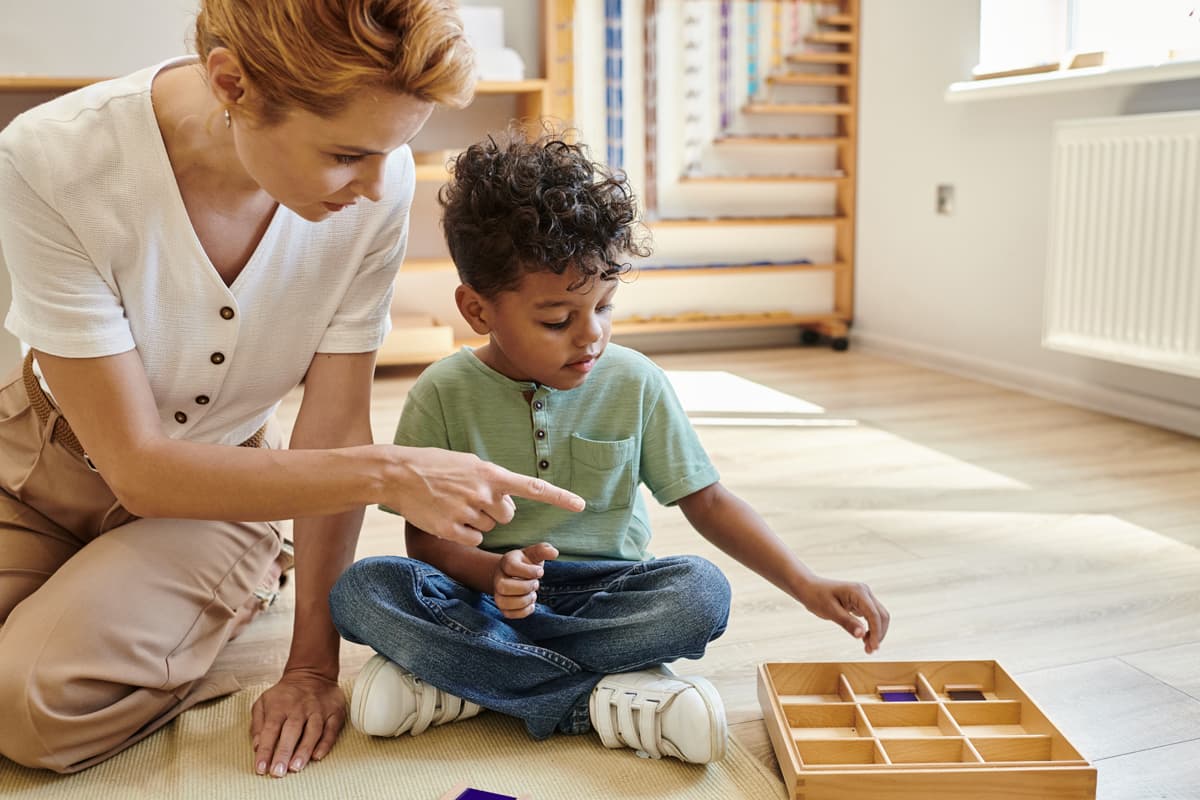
(909, 720)
(988, 718)
(868, 679)
(1000, 749)
(825, 721)
(817, 752)
(817, 683)
(942, 750)
(979, 675)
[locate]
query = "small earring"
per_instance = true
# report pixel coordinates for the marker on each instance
(228, 119)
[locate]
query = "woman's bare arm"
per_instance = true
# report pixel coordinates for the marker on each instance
(111, 409)
(302, 716)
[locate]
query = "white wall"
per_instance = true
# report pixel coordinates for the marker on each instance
(522, 30)
(81, 38)
(965, 291)
(84, 37)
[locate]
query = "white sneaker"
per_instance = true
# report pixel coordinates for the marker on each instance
(660, 714)
(387, 701)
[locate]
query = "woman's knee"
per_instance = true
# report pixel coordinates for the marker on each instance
(31, 710)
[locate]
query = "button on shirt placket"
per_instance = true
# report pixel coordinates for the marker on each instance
(541, 443)
(217, 358)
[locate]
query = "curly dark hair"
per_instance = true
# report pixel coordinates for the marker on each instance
(518, 205)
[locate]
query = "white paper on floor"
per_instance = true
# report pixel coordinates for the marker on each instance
(715, 397)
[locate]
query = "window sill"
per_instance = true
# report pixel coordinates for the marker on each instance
(1070, 80)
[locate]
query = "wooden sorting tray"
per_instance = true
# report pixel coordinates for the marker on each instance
(928, 730)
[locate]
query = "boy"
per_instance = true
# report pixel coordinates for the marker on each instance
(563, 620)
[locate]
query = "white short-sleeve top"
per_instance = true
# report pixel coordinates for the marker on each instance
(104, 259)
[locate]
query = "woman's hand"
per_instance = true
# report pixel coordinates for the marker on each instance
(516, 579)
(848, 603)
(459, 497)
(296, 719)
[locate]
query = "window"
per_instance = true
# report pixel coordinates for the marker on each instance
(1015, 34)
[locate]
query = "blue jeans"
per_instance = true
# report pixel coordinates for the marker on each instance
(592, 618)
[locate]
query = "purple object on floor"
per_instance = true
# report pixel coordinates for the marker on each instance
(898, 697)
(480, 794)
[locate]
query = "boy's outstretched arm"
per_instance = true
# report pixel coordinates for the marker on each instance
(732, 525)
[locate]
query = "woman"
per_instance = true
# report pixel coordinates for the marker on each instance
(186, 244)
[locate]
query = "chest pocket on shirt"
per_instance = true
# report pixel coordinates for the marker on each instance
(602, 472)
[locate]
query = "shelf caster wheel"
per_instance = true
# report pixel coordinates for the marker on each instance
(809, 336)
(840, 344)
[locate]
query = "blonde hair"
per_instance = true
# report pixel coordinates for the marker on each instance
(317, 54)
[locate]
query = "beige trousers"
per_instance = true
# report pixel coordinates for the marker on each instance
(109, 623)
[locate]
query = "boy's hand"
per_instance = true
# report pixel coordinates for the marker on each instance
(848, 603)
(515, 580)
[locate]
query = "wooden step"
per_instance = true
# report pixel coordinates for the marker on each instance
(432, 173)
(762, 178)
(527, 86)
(727, 222)
(808, 79)
(814, 57)
(840, 109)
(43, 83)
(830, 37)
(427, 265)
(701, 322)
(739, 269)
(739, 140)
(836, 20)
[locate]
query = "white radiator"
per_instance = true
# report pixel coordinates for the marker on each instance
(1123, 280)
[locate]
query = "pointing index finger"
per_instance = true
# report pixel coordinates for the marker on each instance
(537, 489)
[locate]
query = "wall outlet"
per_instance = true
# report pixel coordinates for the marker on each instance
(945, 199)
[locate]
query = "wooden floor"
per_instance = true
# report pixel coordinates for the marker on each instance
(994, 525)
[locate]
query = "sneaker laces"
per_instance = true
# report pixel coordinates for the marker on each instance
(431, 701)
(642, 736)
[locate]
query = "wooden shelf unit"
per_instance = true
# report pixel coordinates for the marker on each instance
(412, 265)
(558, 57)
(821, 57)
(737, 222)
(531, 92)
(391, 356)
(766, 139)
(532, 98)
(831, 37)
(741, 269)
(427, 265)
(829, 62)
(845, 730)
(532, 95)
(43, 83)
(839, 109)
(432, 173)
(848, 25)
(837, 20)
(697, 322)
(809, 79)
(762, 178)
